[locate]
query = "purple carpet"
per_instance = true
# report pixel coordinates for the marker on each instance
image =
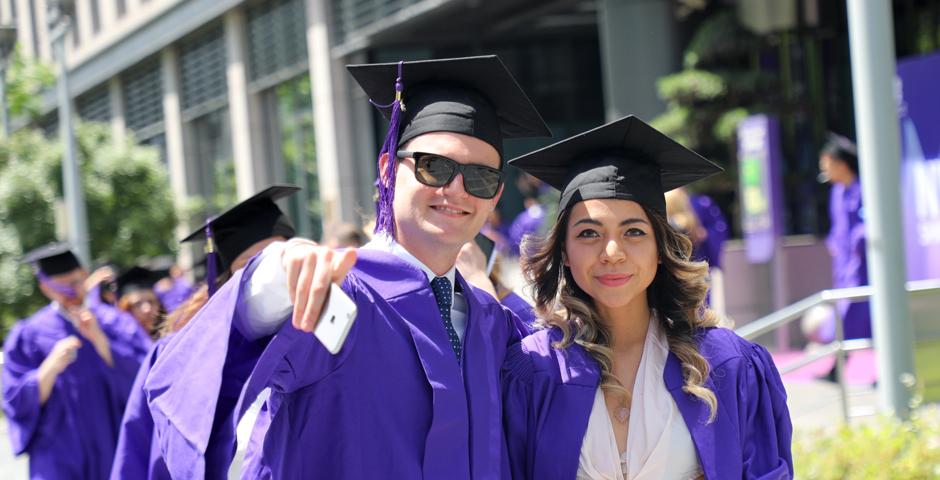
(860, 367)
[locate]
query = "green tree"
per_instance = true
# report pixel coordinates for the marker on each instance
(719, 85)
(26, 80)
(129, 205)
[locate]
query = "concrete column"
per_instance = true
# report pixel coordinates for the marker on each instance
(240, 104)
(344, 172)
(6, 13)
(175, 144)
(24, 27)
(116, 94)
(639, 45)
(40, 9)
(83, 18)
(107, 14)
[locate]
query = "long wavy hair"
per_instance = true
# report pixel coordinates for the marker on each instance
(177, 319)
(677, 295)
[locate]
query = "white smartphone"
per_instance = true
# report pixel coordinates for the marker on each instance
(336, 319)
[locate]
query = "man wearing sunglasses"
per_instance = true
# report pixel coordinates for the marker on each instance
(414, 390)
(67, 373)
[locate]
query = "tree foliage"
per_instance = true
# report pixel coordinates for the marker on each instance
(128, 202)
(718, 86)
(884, 447)
(26, 80)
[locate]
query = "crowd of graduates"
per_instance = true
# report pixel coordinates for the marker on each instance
(616, 368)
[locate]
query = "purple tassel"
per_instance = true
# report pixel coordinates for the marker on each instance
(211, 254)
(56, 287)
(384, 213)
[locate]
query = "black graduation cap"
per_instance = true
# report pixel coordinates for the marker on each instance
(245, 224)
(160, 265)
(625, 159)
(135, 278)
(52, 259)
(475, 96)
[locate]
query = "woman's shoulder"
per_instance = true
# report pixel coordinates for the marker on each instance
(720, 345)
(537, 354)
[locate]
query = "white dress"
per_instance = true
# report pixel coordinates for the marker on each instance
(659, 445)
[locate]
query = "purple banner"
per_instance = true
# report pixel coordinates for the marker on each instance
(919, 115)
(759, 179)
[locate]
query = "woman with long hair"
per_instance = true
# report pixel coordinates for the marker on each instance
(629, 375)
(232, 238)
(136, 296)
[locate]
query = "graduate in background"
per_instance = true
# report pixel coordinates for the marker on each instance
(67, 373)
(100, 287)
(135, 296)
(630, 378)
(237, 235)
(172, 287)
(414, 391)
(699, 218)
(838, 165)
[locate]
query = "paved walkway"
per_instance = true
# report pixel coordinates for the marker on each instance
(10, 467)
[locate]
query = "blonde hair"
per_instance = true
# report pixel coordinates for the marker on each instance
(178, 318)
(677, 295)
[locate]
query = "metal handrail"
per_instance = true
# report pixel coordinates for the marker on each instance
(840, 346)
(791, 312)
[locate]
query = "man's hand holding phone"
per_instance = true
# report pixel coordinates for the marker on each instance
(312, 274)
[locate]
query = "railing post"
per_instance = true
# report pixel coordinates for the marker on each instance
(840, 361)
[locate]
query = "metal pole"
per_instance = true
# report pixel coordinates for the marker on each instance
(4, 120)
(71, 179)
(871, 38)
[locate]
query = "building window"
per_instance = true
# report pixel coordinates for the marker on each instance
(32, 26)
(95, 16)
(143, 98)
(210, 162)
(95, 105)
(277, 41)
(158, 141)
(202, 72)
(291, 147)
(49, 124)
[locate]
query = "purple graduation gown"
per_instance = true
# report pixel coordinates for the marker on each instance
(713, 221)
(521, 308)
(393, 403)
(527, 222)
(73, 435)
(176, 295)
(548, 396)
(137, 456)
(846, 242)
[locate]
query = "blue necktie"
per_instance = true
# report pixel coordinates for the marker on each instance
(444, 296)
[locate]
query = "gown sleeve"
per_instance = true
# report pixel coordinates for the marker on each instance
(20, 389)
(129, 343)
(132, 457)
(523, 310)
(210, 373)
(766, 425)
(517, 377)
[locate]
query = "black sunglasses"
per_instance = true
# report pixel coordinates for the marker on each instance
(436, 170)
